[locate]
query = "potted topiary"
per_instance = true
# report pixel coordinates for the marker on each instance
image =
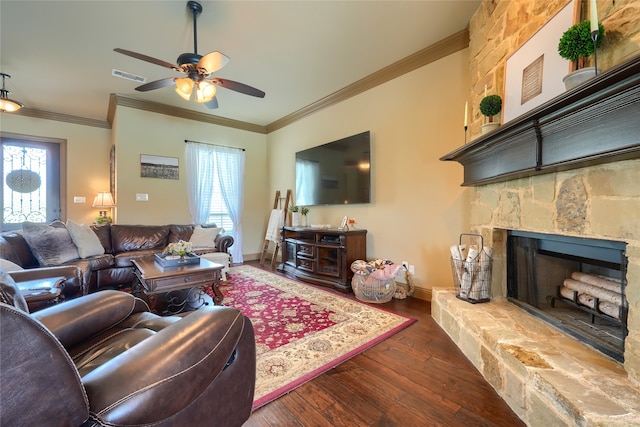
(575, 45)
(490, 106)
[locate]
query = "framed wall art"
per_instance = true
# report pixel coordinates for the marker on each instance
(533, 73)
(159, 167)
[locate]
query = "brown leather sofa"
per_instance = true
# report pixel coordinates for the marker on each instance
(121, 243)
(105, 360)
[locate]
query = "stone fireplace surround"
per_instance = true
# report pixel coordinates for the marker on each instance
(544, 377)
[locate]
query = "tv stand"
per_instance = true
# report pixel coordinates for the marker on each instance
(322, 257)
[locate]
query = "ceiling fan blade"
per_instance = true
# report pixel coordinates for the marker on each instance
(238, 87)
(156, 84)
(212, 104)
(146, 58)
(212, 62)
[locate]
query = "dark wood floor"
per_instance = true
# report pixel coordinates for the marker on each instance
(418, 377)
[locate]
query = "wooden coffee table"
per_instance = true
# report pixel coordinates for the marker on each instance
(154, 280)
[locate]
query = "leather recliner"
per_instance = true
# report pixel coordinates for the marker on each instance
(104, 359)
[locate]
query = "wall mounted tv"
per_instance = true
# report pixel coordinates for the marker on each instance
(336, 173)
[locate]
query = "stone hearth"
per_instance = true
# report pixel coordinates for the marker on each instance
(547, 379)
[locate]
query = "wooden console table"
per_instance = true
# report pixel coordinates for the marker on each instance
(155, 279)
(322, 257)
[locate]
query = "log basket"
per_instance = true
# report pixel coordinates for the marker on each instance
(472, 275)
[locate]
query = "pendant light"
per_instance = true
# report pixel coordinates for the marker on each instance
(6, 104)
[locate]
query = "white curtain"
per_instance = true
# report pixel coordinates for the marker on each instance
(230, 166)
(203, 162)
(200, 170)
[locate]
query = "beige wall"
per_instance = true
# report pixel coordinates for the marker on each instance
(139, 132)
(87, 158)
(418, 208)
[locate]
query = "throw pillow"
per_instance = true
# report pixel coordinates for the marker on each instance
(204, 237)
(85, 239)
(7, 265)
(51, 245)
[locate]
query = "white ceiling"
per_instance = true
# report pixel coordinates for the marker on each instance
(60, 53)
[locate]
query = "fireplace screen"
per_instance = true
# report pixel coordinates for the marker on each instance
(576, 284)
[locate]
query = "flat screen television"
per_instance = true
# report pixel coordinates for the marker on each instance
(336, 173)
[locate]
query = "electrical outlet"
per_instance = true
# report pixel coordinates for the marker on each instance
(405, 265)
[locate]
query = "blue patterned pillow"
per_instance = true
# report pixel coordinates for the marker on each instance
(50, 244)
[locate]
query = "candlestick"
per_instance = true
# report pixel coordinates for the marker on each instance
(485, 91)
(595, 31)
(466, 107)
(593, 9)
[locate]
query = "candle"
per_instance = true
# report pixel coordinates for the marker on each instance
(594, 15)
(485, 91)
(466, 107)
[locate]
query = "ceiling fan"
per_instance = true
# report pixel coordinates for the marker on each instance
(199, 70)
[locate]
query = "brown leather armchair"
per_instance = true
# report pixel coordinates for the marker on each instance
(104, 359)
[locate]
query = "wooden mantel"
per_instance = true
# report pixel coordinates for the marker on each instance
(597, 122)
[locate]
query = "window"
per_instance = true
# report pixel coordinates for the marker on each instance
(218, 212)
(215, 188)
(31, 182)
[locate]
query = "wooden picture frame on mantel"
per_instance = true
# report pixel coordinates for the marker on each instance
(533, 74)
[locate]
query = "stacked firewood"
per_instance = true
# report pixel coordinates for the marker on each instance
(591, 290)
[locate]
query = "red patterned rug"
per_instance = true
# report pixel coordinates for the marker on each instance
(302, 330)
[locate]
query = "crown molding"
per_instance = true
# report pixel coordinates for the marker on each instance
(156, 107)
(59, 117)
(436, 51)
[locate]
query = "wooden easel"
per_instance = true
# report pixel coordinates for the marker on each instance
(277, 204)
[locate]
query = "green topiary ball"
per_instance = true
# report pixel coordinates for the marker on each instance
(576, 42)
(490, 105)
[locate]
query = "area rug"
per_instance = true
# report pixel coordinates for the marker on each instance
(302, 330)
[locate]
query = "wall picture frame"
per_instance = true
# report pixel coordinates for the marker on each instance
(533, 73)
(159, 167)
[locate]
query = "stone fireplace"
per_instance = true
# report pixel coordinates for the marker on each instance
(568, 169)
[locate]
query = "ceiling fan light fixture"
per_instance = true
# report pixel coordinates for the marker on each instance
(184, 87)
(6, 104)
(205, 91)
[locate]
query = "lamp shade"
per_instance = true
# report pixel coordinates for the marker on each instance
(6, 104)
(104, 199)
(184, 87)
(205, 91)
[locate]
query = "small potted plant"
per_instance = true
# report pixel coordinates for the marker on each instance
(304, 211)
(575, 45)
(295, 219)
(490, 106)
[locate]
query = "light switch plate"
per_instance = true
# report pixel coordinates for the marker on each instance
(142, 197)
(79, 199)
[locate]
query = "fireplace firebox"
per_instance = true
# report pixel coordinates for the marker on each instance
(576, 284)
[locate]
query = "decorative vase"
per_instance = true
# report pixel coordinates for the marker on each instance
(578, 77)
(303, 223)
(488, 127)
(295, 219)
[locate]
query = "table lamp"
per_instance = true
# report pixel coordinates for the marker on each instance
(103, 201)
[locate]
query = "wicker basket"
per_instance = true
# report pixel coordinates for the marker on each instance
(370, 289)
